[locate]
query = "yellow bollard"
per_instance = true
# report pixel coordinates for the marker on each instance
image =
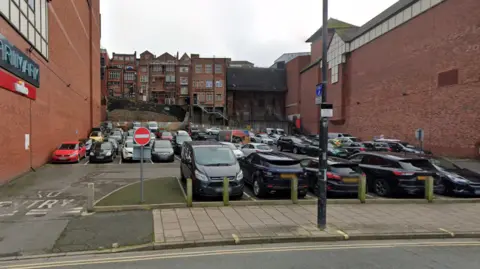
(362, 189)
(294, 190)
(226, 194)
(429, 189)
(189, 192)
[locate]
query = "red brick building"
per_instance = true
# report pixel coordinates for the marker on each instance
(104, 63)
(49, 78)
(415, 65)
(122, 75)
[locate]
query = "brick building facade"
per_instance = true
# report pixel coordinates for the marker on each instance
(122, 75)
(55, 96)
(415, 65)
(104, 63)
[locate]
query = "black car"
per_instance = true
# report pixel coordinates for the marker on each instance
(177, 142)
(354, 147)
(162, 150)
(292, 143)
(270, 172)
(207, 163)
(376, 146)
(454, 179)
(390, 173)
(342, 175)
(102, 152)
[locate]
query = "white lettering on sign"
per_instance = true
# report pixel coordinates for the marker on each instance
(142, 136)
(48, 204)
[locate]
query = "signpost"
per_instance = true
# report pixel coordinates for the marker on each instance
(318, 94)
(142, 138)
(419, 134)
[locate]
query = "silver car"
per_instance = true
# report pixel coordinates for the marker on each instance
(117, 135)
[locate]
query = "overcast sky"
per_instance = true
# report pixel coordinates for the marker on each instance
(254, 30)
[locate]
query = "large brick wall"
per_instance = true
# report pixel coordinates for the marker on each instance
(63, 99)
(393, 81)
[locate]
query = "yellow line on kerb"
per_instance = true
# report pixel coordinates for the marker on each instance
(162, 256)
(447, 231)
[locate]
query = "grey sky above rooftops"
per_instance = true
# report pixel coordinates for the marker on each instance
(258, 31)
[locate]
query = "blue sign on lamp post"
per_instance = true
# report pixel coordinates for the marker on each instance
(318, 94)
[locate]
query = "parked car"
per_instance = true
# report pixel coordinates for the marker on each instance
(152, 126)
(400, 146)
(376, 146)
(338, 135)
(127, 150)
(97, 136)
(353, 147)
(213, 131)
(270, 172)
(249, 148)
(207, 163)
(102, 152)
(162, 150)
(136, 125)
(238, 153)
(263, 138)
(292, 143)
(178, 140)
(335, 151)
(117, 135)
(388, 173)
(71, 151)
(342, 175)
(114, 143)
(166, 136)
(88, 144)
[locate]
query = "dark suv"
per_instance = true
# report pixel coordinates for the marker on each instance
(207, 163)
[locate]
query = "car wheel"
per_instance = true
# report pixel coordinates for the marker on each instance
(381, 187)
(295, 151)
(442, 188)
(258, 190)
(302, 195)
(279, 148)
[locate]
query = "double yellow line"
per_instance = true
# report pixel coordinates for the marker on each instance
(163, 256)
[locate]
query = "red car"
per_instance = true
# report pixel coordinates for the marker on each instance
(166, 136)
(67, 152)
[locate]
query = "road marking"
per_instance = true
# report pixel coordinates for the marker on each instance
(447, 231)
(176, 157)
(151, 161)
(181, 187)
(9, 214)
(120, 162)
(86, 162)
(370, 196)
(75, 210)
(345, 235)
(249, 196)
(37, 212)
(177, 255)
(236, 238)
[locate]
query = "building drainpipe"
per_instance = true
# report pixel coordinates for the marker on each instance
(90, 28)
(30, 139)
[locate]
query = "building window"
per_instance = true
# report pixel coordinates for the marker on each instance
(209, 84)
(209, 97)
(201, 97)
(183, 80)
(218, 68)
(334, 72)
(143, 88)
(114, 75)
(170, 78)
(157, 68)
(170, 68)
(183, 69)
(198, 68)
(129, 76)
(30, 18)
(144, 79)
(208, 68)
(218, 83)
(218, 97)
(184, 90)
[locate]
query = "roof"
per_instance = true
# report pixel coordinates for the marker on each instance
(287, 57)
(380, 18)
(256, 79)
(331, 24)
(395, 156)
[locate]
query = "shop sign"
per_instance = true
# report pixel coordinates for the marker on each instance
(16, 62)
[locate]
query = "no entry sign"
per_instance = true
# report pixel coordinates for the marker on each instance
(142, 136)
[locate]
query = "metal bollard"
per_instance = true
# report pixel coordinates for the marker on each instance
(90, 197)
(362, 189)
(429, 189)
(226, 194)
(189, 192)
(294, 190)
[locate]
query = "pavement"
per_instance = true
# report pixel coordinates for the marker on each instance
(438, 254)
(195, 226)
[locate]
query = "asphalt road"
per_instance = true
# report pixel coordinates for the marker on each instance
(359, 255)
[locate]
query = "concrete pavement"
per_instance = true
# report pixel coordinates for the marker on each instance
(438, 254)
(194, 226)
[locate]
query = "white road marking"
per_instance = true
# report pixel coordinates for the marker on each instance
(86, 162)
(120, 162)
(177, 158)
(37, 212)
(249, 197)
(48, 204)
(9, 214)
(452, 234)
(151, 161)
(345, 235)
(75, 210)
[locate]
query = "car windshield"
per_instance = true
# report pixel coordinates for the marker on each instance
(116, 133)
(416, 164)
(129, 144)
(96, 134)
(152, 124)
(381, 145)
(297, 140)
(263, 147)
(163, 144)
(230, 145)
(212, 156)
(347, 135)
(166, 134)
(263, 135)
(183, 138)
(356, 145)
(68, 146)
(354, 139)
(443, 164)
(136, 124)
(104, 146)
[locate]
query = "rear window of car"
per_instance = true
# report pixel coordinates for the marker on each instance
(354, 139)
(283, 163)
(162, 144)
(263, 147)
(95, 134)
(416, 164)
(344, 169)
(166, 134)
(129, 145)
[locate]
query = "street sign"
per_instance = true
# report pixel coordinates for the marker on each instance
(318, 94)
(419, 134)
(142, 136)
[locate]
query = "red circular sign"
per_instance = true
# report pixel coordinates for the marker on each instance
(142, 136)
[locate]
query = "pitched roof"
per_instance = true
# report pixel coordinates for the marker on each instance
(331, 24)
(185, 57)
(380, 18)
(166, 56)
(145, 52)
(256, 79)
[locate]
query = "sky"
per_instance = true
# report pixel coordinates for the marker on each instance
(258, 31)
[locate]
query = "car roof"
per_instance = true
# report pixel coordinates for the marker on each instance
(275, 156)
(204, 143)
(331, 160)
(396, 156)
(258, 144)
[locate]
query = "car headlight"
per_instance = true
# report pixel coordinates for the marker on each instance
(239, 176)
(73, 154)
(108, 153)
(200, 176)
(92, 154)
(268, 174)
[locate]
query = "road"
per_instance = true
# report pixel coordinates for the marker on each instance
(359, 255)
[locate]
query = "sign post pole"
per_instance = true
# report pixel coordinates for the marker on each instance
(142, 138)
(141, 174)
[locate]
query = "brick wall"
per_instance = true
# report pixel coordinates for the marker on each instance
(308, 110)
(60, 110)
(292, 99)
